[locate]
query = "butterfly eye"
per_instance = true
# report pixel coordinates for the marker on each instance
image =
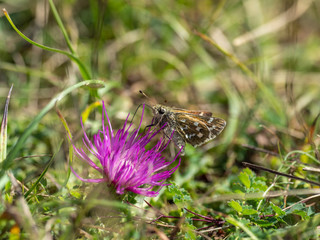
(161, 111)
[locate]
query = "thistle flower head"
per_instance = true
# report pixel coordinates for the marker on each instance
(125, 162)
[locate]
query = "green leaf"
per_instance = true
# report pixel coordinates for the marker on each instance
(298, 206)
(249, 172)
(277, 210)
(180, 195)
(76, 194)
(310, 211)
(189, 229)
(131, 197)
(302, 214)
(235, 205)
(243, 224)
(249, 211)
(259, 185)
(265, 223)
(244, 178)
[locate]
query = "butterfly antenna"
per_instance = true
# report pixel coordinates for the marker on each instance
(135, 112)
(145, 95)
(150, 100)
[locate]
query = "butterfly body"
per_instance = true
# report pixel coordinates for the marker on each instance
(187, 126)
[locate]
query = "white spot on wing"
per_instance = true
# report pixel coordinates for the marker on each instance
(196, 123)
(183, 120)
(210, 120)
(200, 135)
(198, 129)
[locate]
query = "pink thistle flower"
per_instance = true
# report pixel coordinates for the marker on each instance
(126, 164)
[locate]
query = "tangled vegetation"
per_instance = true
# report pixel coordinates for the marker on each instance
(253, 63)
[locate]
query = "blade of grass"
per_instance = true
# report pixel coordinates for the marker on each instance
(7, 163)
(3, 130)
(84, 72)
(65, 124)
(61, 26)
(32, 72)
(44, 172)
(302, 153)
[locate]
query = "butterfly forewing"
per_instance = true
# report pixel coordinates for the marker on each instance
(194, 127)
(192, 112)
(199, 129)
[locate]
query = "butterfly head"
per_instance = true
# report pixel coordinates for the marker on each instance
(161, 114)
(159, 110)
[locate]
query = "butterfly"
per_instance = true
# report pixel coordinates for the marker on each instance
(187, 126)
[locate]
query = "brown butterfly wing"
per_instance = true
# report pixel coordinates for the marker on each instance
(198, 129)
(192, 112)
(194, 127)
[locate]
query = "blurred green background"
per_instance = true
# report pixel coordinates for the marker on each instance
(260, 73)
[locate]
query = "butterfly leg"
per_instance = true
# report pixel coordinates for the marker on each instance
(150, 125)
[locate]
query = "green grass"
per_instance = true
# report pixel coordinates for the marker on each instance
(187, 54)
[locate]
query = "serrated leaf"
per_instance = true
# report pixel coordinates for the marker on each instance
(180, 195)
(259, 185)
(245, 180)
(298, 206)
(235, 205)
(249, 211)
(302, 214)
(310, 211)
(265, 223)
(278, 210)
(249, 172)
(237, 187)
